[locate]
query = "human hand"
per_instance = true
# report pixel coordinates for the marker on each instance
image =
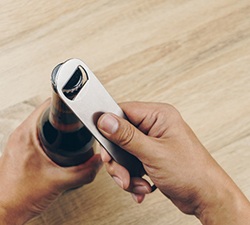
(174, 159)
(30, 181)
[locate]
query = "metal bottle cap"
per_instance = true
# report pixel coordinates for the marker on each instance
(74, 84)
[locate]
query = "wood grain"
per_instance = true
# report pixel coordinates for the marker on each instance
(193, 54)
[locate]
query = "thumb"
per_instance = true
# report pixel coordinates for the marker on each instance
(124, 134)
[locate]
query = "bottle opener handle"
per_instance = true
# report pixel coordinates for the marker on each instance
(89, 104)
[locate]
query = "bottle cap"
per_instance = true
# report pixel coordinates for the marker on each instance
(74, 84)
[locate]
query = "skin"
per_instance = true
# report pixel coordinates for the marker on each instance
(174, 159)
(176, 162)
(30, 181)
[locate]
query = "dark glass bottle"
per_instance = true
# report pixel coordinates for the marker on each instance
(62, 135)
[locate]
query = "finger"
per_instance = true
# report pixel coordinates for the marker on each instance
(30, 123)
(143, 114)
(104, 155)
(138, 198)
(119, 174)
(124, 134)
(136, 112)
(84, 173)
(150, 118)
(39, 110)
(122, 178)
(139, 186)
(28, 128)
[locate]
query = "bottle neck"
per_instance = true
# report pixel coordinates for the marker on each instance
(61, 116)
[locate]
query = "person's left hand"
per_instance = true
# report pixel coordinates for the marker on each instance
(30, 181)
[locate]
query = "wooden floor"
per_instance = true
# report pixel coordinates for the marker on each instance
(193, 54)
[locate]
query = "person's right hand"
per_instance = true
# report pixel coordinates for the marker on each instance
(176, 162)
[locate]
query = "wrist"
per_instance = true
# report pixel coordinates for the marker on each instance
(12, 206)
(7, 218)
(224, 203)
(14, 215)
(3, 216)
(229, 211)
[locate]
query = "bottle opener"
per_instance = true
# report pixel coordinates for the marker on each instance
(89, 104)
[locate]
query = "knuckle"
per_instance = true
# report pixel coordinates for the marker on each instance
(172, 112)
(126, 135)
(110, 168)
(90, 176)
(19, 136)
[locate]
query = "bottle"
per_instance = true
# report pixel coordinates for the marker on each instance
(62, 135)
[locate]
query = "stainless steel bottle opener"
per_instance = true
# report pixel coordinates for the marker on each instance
(89, 104)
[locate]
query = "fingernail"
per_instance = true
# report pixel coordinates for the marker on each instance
(134, 196)
(118, 181)
(138, 198)
(100, 163)
(109, 124)
(141, 190)
(102, 152)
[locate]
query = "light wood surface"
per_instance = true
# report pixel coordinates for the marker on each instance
(193, 54)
